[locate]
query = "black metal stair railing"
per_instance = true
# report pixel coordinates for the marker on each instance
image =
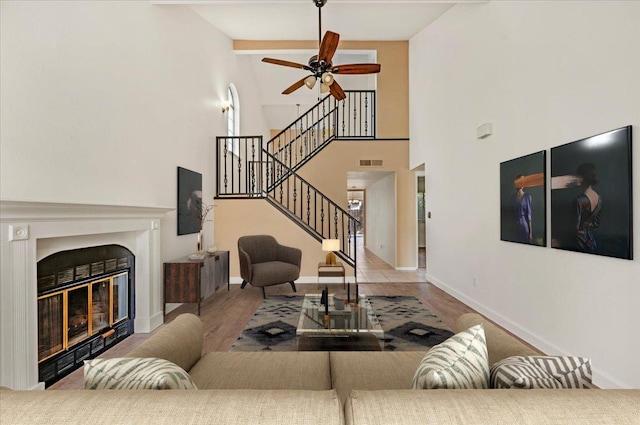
(313, 211)
(249, 168)
(321, 217)
(239, 166)
(329, 119)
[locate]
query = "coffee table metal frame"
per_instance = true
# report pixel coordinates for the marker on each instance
(355, 318)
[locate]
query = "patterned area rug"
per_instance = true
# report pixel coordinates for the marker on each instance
(407, 323)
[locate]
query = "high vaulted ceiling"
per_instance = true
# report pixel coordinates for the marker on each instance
(297, 19)
(354, 20)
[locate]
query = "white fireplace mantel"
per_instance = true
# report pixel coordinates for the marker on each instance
(23, 224)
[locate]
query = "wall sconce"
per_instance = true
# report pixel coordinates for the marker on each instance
(331, 245)
(225, 106)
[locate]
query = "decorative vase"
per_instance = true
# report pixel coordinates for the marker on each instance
(200, 241)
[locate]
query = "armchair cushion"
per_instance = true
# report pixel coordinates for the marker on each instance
(265, 274)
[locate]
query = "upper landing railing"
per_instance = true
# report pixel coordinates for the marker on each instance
(351, 118)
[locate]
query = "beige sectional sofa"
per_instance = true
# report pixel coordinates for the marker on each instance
(313, 388)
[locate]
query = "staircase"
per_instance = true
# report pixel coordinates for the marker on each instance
(249, 168)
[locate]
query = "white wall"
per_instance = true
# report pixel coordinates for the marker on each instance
(101, 102)
(545, 74)
(380, 215)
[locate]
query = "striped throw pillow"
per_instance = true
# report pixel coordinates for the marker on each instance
(135, 373)
(530, 372)
(459, 362)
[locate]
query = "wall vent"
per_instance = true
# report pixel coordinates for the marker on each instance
(371, 163)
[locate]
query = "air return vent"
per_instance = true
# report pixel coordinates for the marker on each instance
(371, 163)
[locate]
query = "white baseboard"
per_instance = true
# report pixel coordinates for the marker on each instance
(600, 378)
(407, 269)
(144, 325)
(156, 320)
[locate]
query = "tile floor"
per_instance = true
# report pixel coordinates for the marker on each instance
(373, 269)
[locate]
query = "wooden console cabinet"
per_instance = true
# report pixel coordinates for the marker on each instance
(191, 281)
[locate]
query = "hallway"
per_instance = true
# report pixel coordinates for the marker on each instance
(373, 269)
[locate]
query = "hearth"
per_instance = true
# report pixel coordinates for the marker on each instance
(85, 306)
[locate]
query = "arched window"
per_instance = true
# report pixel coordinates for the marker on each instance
(233, 119)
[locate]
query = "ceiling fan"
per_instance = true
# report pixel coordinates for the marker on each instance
(320, 65)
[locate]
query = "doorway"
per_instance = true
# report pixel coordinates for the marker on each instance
(355, 200)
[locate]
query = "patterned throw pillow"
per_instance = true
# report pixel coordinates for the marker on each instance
(460, 362)
(541, 372)
(135, 373)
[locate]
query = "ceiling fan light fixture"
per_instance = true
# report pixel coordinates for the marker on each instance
(321, 66)
(310, 81)
(327, 78)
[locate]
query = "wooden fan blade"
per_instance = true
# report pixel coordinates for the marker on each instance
(357, 68)
(328, 46)
(295, 86)
(286, 63)
(336, 91)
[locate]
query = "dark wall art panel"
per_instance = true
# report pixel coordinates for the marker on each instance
(591, 195)
(523, 200)
(189, 201)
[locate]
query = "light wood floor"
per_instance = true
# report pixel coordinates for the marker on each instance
(225, 314)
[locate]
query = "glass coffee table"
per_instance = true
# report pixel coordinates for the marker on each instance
(354, 328)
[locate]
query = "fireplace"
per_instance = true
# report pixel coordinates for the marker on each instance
(85, 306)
(32, 231)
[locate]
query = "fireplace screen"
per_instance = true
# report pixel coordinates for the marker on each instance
(50, 330)
(120, 299)
(69, 316)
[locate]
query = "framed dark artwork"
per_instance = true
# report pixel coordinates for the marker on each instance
(523, 202)
(591, 195)
(189, 201)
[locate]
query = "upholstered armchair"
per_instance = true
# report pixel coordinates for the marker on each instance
(264, 262)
